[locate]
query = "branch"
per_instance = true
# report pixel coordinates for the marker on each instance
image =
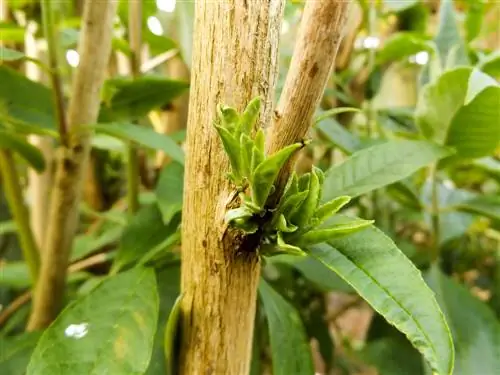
(317, 43)
(135, 35)
(49, 26)
(94, 49)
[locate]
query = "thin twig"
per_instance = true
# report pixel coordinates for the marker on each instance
(55, 77)
(158, 60)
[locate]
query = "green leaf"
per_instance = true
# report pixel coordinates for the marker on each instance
(475, 131)
(168, 283)
(7, 54)
(144, 232)
(450, 44)
(15, 352)
(399, 5)
(87, 244)
(134, 98)
(16, 275)
(284, 226)
(394, 287)
(290, 349)
(26, 104)
(333, 112)
(266, 172)
(233, 152)
(393, 356)
(474, 19)
(475, 329)
(11, 32)
(307, 209)
(171, 330)
(339, 136)
(108, 331)
(340, 230)
(169, 190)
(330, 208)
(250, 115)
(486, 205)
(491, 64)
(287, 248)
(144, 136)
(28, 152)
(401, 45)
(379, 165)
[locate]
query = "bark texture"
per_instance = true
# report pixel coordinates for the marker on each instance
(318, 40)
(234, 59)
(94, 49)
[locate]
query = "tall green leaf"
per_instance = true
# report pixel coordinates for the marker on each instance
(144, 232)
(394, 287)
(449, 42)
(475, 329)
(379, 165)
(169, 190)
(129, 99)
(487, 205)
(26, 103)
(290, 349)
(461, 109)
(339, 136)
(108, 331)
(144, 136)
(28, 152)
(401, 45)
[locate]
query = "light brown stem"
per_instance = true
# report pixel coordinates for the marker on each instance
(318, 40)
(234, 59)
(94, 50)
(39, 182)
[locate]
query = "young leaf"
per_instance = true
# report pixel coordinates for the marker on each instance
(257, 158)
(145, 136)
(330, 208)
(250, 115)
(246, 145)
(285, 227)
(291, 204)
(110, 330)
(266, 172)
(303, 215)
(290, 349)
(230, 119)
(260, 140)
(322, 235)
(235, 214)
(233, 152)
(402, 45)
(394, 287)
(379, 165)
(334, 112)
(289, 249)
(171, 330)
(24, 149)
(475, 328)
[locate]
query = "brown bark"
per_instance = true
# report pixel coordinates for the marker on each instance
(95, 48)
(234, 59)
(317, 43)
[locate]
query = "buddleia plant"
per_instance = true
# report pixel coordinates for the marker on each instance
(298, 220)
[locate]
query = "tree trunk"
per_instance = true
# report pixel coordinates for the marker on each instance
(234, 59)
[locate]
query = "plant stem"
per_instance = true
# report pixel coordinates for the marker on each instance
(435, 220)
(63, 216)
(13, 193)
(50, 36)
(135, 35)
